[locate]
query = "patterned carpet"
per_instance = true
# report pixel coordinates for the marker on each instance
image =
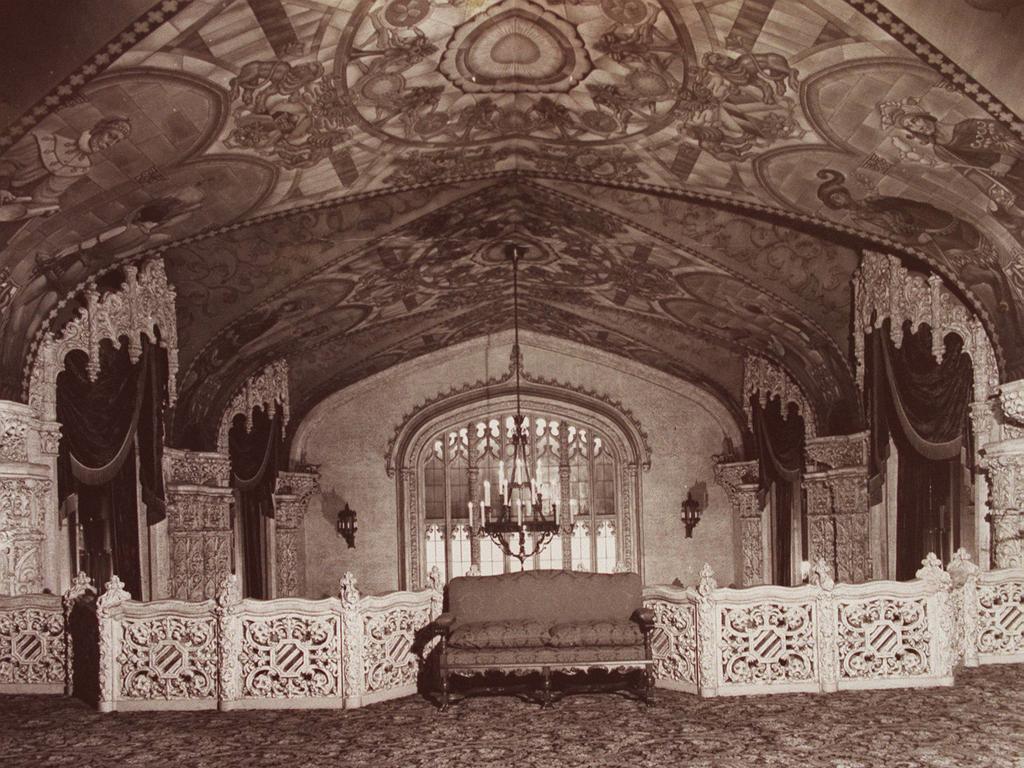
(979, 722)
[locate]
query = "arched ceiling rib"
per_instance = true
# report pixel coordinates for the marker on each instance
(453, 125)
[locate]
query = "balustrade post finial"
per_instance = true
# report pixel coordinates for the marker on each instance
(707, 583)
(931, 571)
(114, 593)
(821, 575)
(348, 590)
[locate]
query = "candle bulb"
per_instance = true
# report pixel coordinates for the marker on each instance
(519, 509)
(487, 493)
(471, 514)
(557, 519)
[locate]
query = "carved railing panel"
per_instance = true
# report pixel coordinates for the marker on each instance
(167, 651)
(883, 637)
(766, 641)
(674, 639)
(290, 652)
(32, 644)
(999, 630)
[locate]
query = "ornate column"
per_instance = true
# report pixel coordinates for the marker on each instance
(198, 524)
(291, 502)
(838, 516)
(33, 553)
(739, 479)
(1004, 464)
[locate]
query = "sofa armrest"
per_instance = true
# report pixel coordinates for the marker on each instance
(442, 625)
(645, 618)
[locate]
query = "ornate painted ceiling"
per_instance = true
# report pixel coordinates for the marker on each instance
(333, 182)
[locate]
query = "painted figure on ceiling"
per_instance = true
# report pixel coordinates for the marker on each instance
(735, 107)
(984, 150)
(41, 167)
(948, 239)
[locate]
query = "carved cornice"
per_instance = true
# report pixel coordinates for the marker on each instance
(197, 468)
(837, 451)
(267, 389)
(883, 289)
(767, 379)
(143, 305)
(457, 396)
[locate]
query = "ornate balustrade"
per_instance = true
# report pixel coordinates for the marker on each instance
(351, 651)
(228, 653)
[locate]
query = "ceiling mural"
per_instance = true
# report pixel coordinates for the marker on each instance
(590, 276)
(341, 176)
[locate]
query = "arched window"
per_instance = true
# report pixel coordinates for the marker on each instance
(463, 467)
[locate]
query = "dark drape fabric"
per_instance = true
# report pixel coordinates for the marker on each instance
(780, 450)
(101, 423)
(254, 458)
(923, 407)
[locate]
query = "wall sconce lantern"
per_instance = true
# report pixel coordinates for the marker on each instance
(347, 525)
(690, 513)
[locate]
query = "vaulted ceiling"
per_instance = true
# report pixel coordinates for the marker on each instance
(334, 182)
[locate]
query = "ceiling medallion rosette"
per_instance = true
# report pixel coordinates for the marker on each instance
(456, 74)
(515, 46)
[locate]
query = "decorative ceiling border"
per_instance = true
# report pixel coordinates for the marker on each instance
(930, 54)
(66, 92)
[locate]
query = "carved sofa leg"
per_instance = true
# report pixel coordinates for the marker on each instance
(547, 688)
(649, 685)
(444, 690)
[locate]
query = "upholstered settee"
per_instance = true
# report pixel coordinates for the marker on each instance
(544, 622)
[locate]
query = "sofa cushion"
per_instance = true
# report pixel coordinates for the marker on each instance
(545, 596)
(583, 634)
(499, 634)
(482, 658)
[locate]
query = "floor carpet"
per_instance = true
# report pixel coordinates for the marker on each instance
(979, 722)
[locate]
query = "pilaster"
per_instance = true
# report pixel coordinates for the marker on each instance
(291, 503)
(838, 515)
(198, 555)
(739, 479)
(32, 553)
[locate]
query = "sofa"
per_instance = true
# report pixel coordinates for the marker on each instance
(544, 622)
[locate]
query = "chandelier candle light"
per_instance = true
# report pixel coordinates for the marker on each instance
(522, 502)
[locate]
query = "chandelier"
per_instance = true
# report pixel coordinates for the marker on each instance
(520, 514)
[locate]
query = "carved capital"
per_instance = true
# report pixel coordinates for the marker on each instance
(837, 451)
(1011, 398)
(301, 484)
(731, 476)
(197, 468)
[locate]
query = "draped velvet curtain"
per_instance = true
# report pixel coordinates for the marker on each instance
(112, 443)
(254, 463)
(923, 406)
(780, 450)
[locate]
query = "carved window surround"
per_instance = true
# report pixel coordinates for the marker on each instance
(463, 404)
(883, 289)
(144, 304)
(266, 389)
(768, 380)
